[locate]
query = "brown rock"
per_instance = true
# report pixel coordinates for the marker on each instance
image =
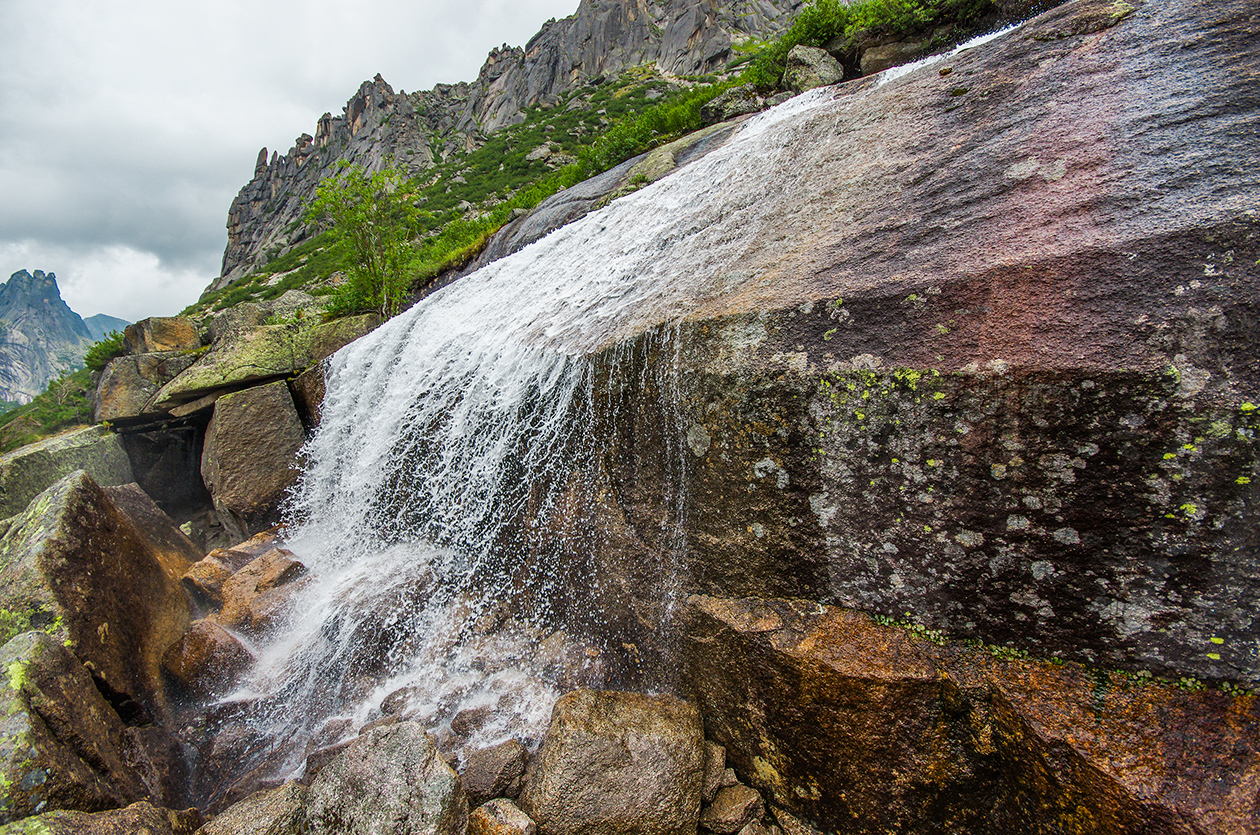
(918, 735)
(204, 581)
(77, 566)
(278, 811)
(61, 744)
(161, 333)
(207, 661)
(390, 779)
(500, 817)
(137, 819)
(617, 762)
(494, 772)
(174, 551)
(128, 384)
(714, 767)
(256, 596)
(879, 58)
(732, 809)
(248, 462)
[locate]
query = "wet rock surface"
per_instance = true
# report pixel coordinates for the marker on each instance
(494, 772)
(861, 728)
(76, 565)
(1020, 428)
(389, 779)
(617, 762)
(279, 811)
(61, 743)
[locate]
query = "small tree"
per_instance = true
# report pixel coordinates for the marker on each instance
(374, 220)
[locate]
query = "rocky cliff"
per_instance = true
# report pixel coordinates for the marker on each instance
(602, 37)
(40, 336)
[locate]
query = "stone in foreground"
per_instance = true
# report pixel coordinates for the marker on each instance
(862, 728)
(279, 811)
(391, 779)
(500, 817)
(61, 744)
(78, 567)
(617, 763)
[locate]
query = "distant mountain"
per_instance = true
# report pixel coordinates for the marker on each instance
(40, 336)
(100, 324)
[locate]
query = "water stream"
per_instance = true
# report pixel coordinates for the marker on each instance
(455, 433)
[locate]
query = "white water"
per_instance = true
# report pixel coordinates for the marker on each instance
(452, 439)
(450, 434)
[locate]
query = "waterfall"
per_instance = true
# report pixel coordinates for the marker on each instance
(437, 508)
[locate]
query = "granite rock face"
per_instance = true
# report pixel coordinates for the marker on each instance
(992, 364)
(865, 728)
(40, 336)
(601, 38)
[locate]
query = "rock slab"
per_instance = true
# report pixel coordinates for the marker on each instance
(75, 565)
(866, 728)
(615, 762)
(389, 780)
(28, 471)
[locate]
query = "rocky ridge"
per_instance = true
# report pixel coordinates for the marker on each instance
(600, 39)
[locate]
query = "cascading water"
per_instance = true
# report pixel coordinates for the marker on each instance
(451, 442)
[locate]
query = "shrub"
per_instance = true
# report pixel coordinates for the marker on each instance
(100, 353)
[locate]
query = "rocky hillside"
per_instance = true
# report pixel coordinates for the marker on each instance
(602, 38)
(40, 336)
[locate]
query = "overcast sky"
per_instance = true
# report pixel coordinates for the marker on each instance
(129, 125)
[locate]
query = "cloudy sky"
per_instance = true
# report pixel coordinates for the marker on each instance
(129, 125)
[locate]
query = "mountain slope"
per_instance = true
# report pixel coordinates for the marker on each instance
(40, 336)
(417, 130)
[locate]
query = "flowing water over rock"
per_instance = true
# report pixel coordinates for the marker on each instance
(434, 497)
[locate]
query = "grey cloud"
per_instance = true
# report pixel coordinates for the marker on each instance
(131, 125)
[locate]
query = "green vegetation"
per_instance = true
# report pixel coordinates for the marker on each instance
(468, 195)
(373, 219)
(62, 405)
(825, 21)
(100, 353)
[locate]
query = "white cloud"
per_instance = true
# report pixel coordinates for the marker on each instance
(130, 125)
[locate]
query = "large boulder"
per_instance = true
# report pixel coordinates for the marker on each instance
(278, 811)
(160, 334)
(390, 779)
(208, 660)
(262, 353)
(1011, 393)
(80, 568)
(616, 762)
(61, 744)
(28, 471)
(861, 727)
(172, 548)
(248, 460)
(737, 101)
(127, 386)
(808, 67)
